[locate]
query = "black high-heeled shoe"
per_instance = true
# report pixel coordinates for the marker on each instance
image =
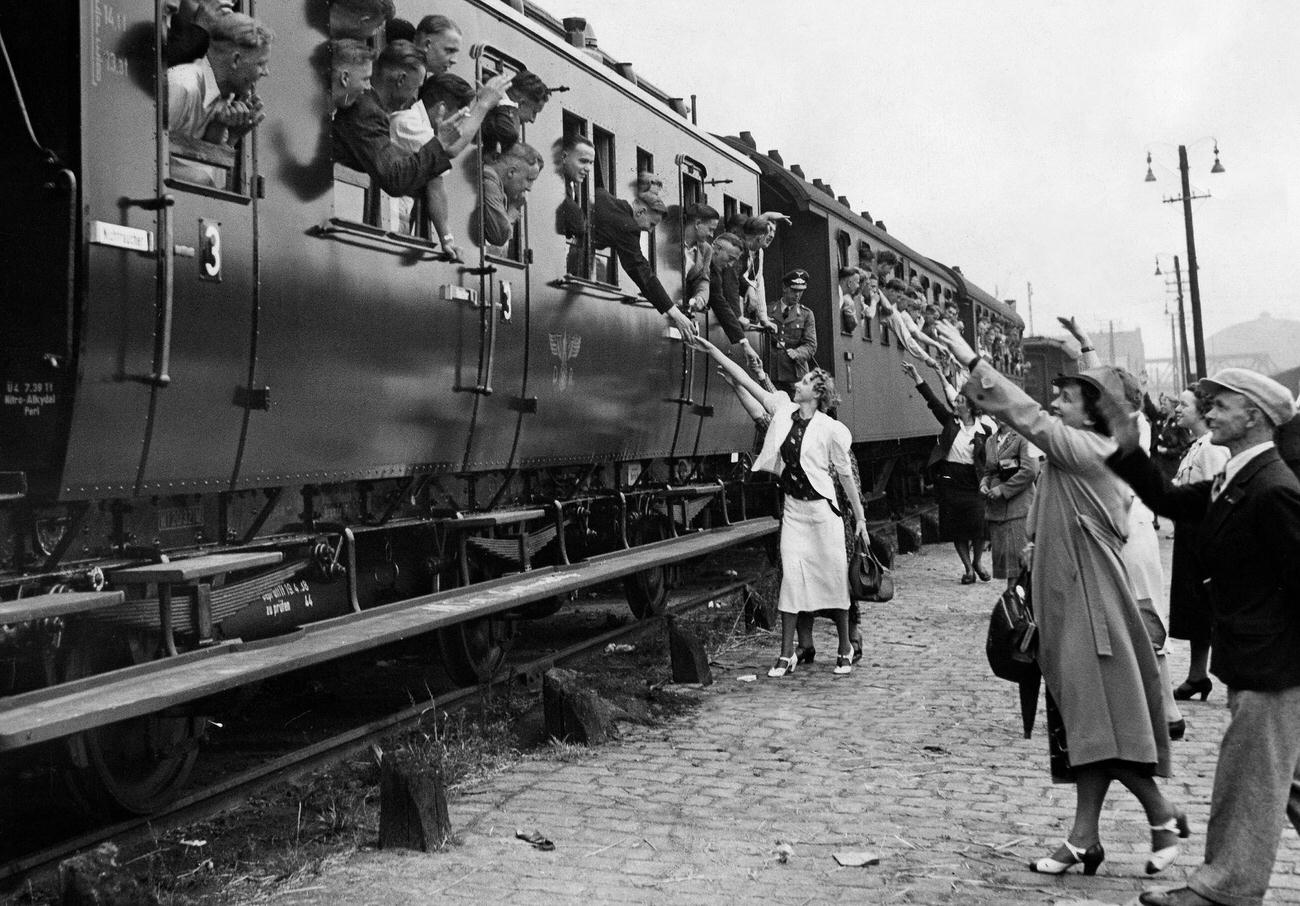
(805, 655)
(1187, 689)
(1089, 858)
(1177, 728)
(968, 579)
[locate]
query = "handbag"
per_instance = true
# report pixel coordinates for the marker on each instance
(869, 579)
(1012, 643)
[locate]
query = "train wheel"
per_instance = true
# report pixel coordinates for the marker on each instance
(647, 591)
(473, 651)
(136, 766)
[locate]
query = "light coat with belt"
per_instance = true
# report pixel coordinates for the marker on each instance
(1094, 650)
(826, 442)
(1009, 454)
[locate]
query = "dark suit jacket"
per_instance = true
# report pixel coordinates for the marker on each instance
(723, 300)
(946, 417)
(1247, 553)
(362, 142)
(614, 227)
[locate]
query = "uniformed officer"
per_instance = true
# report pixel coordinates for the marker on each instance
(796, 339)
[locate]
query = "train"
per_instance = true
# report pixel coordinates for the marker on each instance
(249, 424)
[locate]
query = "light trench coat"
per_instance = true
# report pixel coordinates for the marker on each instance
(1094, 650)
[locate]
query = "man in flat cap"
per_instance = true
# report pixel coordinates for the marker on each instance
(796, 339)
(1248, 555)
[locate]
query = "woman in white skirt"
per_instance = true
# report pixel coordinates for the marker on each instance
(801, 446)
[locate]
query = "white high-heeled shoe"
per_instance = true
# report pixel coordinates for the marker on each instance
(783, 666)
(1164, 857)
(1089, 858)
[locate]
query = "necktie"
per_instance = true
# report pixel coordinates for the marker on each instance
(1217, 487)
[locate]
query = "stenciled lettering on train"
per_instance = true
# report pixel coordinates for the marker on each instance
(28, 398)
(287, 597)
(107, 22)
(565, 347)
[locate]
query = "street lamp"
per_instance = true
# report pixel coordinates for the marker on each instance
(1198, 333)
(1181, 352)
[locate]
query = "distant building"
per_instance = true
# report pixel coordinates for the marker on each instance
(1267, 345)
(1123, 348)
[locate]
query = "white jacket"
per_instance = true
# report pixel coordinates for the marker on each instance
(826, 443)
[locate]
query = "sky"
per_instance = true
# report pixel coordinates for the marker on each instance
(1009, 137)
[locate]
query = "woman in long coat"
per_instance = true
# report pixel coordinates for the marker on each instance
(1010, 470)
(1106, 719)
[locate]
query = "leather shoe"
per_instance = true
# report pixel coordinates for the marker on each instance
(1177, 728)
(1180, 896)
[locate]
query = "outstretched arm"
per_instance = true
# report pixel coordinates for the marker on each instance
(739, 376)
(1088, 357)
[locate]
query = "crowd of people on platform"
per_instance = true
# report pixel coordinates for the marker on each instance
(1070, 496)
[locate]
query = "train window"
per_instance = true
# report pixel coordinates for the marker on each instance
(648, 182)
(575, 154)
(746, 209)
(842, 243)
(604, 264)
(692, 175)
(494, 63)
(728, 208)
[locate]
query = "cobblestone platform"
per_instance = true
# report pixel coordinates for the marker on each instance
(917, 756)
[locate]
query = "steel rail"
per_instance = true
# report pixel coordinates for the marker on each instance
(235, 790)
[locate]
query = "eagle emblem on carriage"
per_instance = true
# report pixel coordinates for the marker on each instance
(565, 347)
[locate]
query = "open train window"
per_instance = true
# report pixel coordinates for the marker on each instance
(573, 218)
(692, 187)
(745, 209)
(843, 241)
(604, 264)
(492, 63)
(728, 208)
(647, 181)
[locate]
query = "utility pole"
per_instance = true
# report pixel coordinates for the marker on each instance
(1112, 342)
(1029, 291)
(1182, 327)
(1198, 334)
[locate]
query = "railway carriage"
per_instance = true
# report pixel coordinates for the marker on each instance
(251, 423)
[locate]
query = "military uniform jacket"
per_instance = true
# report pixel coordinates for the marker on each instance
(1247, 553)
(798, 331)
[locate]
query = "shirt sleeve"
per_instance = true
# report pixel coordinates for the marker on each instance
(364, 143)
(1072, 449)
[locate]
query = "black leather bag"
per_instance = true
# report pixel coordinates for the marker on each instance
(869, 579)
(1012, 644)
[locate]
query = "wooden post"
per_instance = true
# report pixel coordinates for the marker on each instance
(690, 661)
(412, 804)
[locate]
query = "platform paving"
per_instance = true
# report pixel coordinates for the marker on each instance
(917, 756)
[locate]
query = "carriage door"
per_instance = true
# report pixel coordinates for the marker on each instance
(199, 405)
(694, 393)
(500, 317)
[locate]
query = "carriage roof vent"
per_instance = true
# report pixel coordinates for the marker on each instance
(797, 171)
(844, 200)
(626, 71)
(680, 107)
(866, 215)
(881, 224)
(748, 138)
(776, 156)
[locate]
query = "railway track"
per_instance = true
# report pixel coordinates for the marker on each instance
(230, 792)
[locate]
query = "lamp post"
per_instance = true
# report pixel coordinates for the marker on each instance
(1198, 333)
(1181, 352)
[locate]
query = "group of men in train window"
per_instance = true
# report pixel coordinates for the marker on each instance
(401, 116)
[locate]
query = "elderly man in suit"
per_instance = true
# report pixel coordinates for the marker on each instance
(1247, 540)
